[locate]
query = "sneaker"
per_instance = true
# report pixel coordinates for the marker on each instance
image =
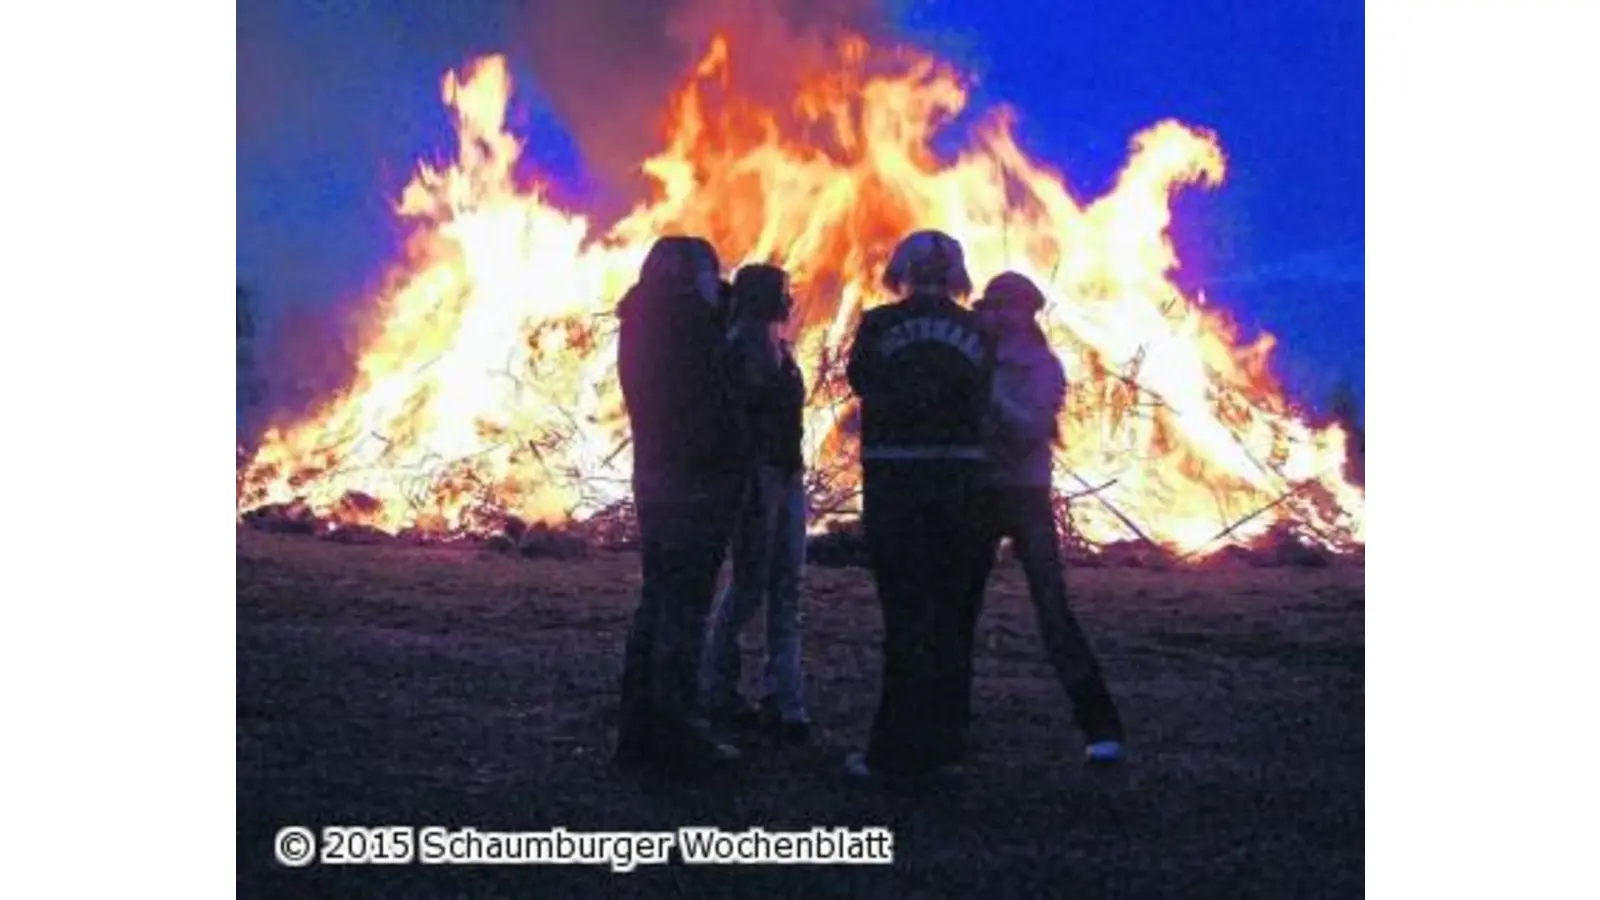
(693, 749)
(856, 768)
(700, 744)
(1103, 752)
(720, 754)
(948, 776)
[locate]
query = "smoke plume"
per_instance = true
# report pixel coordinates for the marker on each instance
(608, 67)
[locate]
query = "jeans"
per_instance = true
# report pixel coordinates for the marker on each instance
(1027, 516)
(682, 544)
(925, 544)
(769, 549)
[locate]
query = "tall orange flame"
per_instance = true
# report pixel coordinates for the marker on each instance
(488, 385)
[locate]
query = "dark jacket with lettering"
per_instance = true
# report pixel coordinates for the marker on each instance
(923, 369)
(689, 435)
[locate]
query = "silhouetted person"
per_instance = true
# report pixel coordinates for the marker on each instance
(770, 541)
(921, 367)
(1030, 389)
(724, 305)
(689, 455)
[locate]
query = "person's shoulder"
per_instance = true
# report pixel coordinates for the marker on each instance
(1039, 343)
(951, 309)
(1046, 359)
(628, 307)
(878, 316)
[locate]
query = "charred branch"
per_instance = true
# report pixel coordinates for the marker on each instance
(1096, 493)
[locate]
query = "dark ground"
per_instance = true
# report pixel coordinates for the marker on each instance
(389, 685)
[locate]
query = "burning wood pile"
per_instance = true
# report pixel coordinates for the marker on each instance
(485, 405)
(838, 542)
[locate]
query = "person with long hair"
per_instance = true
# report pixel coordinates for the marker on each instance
(689, 460)
(770, 540)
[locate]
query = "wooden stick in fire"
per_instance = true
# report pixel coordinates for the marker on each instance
(1235, 526)
(613, 455)
(1090, 491)
(1114, 511)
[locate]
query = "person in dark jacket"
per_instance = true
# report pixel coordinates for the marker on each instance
(1030, 389)
(770, 540)
(724, 304)
(689, 457)
(921, 368)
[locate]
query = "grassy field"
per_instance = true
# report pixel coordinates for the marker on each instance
(435, 686)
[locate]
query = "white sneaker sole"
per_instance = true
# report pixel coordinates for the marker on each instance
(1103, 752)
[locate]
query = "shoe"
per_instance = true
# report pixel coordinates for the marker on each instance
(718, 754)
(686, 750)
(697, 744)
(795, 733)
(1103, 752)
(741, 716)
(856, 768)
(857, 771)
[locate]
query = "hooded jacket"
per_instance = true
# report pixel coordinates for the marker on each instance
(672, 361)
(1030, 390)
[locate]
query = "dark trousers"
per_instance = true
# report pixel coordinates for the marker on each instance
(682, 544)
(925, 546)
(1027, 516)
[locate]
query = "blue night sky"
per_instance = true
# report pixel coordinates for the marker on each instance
(338, 100)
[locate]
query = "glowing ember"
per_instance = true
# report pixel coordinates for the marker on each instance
(488, 385)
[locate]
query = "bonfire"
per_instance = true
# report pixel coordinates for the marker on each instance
(485, 397)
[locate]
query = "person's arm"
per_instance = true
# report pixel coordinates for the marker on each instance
(860, 368)
(1029, 410)
(627, 344)
(1057, 396)
(1022, 421)
(757, 362)
(710, 409)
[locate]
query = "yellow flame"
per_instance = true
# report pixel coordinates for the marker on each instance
(488, 384)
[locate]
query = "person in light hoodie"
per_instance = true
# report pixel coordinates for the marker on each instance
(1030, 389)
